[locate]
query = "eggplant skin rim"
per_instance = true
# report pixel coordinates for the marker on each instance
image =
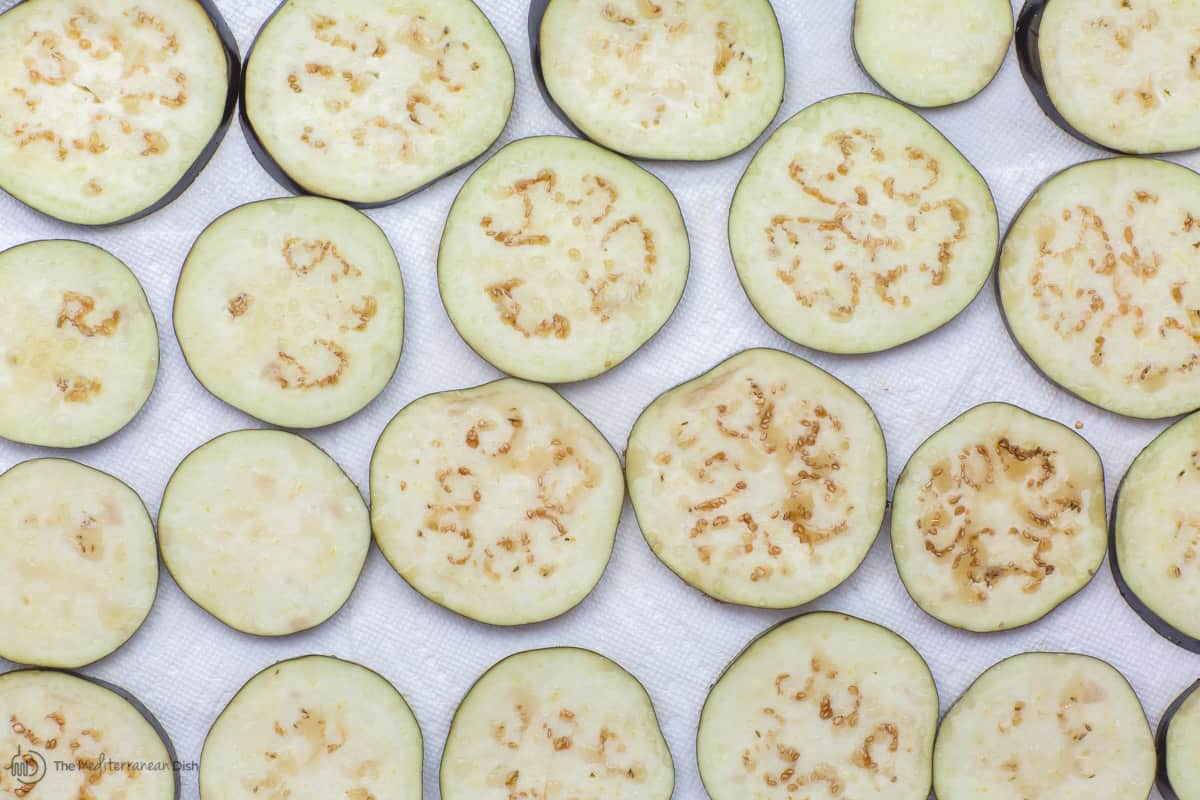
(714, 368)
(233, 77)
(1162, 777)
(292, 185)
(1095, 570)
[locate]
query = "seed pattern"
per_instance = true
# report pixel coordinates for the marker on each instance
(98, 767)
(313, 735)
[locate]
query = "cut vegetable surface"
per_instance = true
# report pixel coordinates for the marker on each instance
(499, 502)
(998, 518)
(264, 531)
(931, 53)
(560, 259)
(761, 482)
(1178, 743)
(823, 705)
(292, 310)
(368, 101)
(110, 108)
(314, 728)
(1045, 725)
(859, 227)
(1099, 281)
(690, 80)
(563, 718)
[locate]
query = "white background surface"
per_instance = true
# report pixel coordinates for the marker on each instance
(185, 665)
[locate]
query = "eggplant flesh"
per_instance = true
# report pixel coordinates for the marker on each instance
(1178, 742)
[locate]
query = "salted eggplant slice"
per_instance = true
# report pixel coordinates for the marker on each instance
(858, 227)
(292, 310)
(264, 531)
(821, 705)
(109, 109)
(683, 80)
(78, 344)
(998, 518)
(928, 53)
(1056, 725)
(499, 502)
(1098, 285)
(314, 727)
(761, 482)
(561, 717)
(1178, 742)
(368, 102)
(560, 259)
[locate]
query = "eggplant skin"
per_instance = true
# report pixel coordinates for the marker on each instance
(1162, 778)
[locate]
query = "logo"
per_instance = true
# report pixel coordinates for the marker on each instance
(27, 767)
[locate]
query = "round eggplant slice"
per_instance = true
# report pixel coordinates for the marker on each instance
(859, 227)
(368, 102)
(1178, 743)
(78, 563)
(761, 482)
(998, 518)
(78, 341)
(312, 728)
(264, 531)
(499, 502)
(564, 718)
(560, 259)
(1098, 284)
(292, 310)
(687, 80)
(1156, 534)
(72, 737)
(109, 109)
(821, 705)
(1055, 725)
(1121, 75)
(930, 53)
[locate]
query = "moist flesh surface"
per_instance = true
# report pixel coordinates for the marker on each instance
(1183, 742)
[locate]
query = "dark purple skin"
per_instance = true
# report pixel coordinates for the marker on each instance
(1163, 781)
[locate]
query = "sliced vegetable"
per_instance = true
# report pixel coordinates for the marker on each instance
(1178, 743)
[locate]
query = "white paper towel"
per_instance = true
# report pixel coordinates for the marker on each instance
(185, 665)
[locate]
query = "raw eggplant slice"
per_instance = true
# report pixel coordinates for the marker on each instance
(689, 80)
(821, 705)
(560, 259)
(1120, 75)
(499, 502)
(1178, 743)
(368, 102)
(761, 482)
(858, 227)
(998, 518)
(312, 728)
(264, 531)
(930, 53)
(292, 310)
(78, 344)
(1156, 534)
(78, 563)
(109, 109)
(111, 744)
(561, 717)
(1055, 725)
(1097, 281)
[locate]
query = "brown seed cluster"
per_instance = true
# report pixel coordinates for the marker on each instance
(321, 735)
(90, 752)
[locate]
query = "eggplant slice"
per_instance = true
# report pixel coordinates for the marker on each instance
(761, 482)
(1156, 534)
(1119, 74)
(292, 310)
(998, 518)
(1178, 743)
(559, 722)
(264, 531)
(1055, 725)
(368, 102)
(1098, 285)
(560, 259)
(499, 502)
(859, 227)
(313, 728)
(930, 53)
(685, 80)
(823, 705)
(79, 344)
(109, 109)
